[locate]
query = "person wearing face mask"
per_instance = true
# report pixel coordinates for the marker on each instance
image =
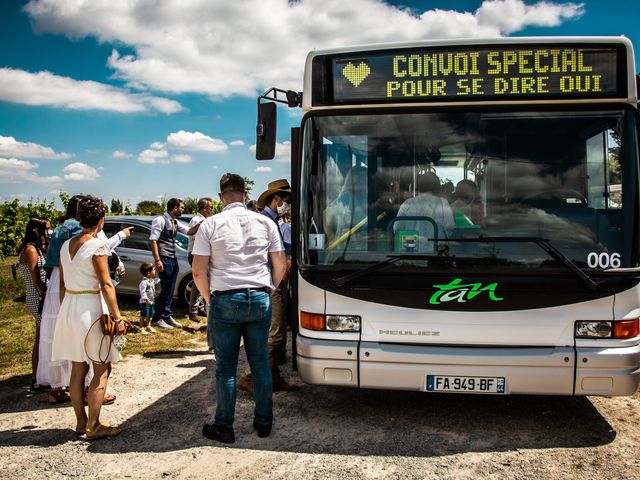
(274, 203)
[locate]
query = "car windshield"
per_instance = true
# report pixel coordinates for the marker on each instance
(436, 184)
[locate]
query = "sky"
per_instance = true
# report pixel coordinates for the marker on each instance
(152, 99)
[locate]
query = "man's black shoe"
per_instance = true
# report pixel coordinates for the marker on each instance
(219, 433)
(263, 430)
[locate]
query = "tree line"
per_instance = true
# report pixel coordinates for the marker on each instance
(14, 216)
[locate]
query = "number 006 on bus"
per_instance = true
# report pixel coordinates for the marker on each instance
(440, 383)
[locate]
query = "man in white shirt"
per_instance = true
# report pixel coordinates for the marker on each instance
(205, 209)
(274, 203)
(428, 207)
(230, 268)
(163, 246)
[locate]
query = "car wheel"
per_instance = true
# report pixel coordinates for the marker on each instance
(184, 290)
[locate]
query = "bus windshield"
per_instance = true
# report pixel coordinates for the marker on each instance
(425, 185)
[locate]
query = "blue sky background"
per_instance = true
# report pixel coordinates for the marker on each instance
(178, 98)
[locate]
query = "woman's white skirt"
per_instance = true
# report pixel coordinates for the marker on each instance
(56, 374)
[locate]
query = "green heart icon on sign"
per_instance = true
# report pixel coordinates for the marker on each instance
(356, 75)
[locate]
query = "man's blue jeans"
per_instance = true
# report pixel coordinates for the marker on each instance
(164, 300)
(246, 315)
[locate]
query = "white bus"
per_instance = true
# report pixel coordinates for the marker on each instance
(466, 216)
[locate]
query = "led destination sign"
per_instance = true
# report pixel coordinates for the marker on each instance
(498, 72)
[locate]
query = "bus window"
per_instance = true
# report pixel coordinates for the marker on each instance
(554, 175)
(604, 173)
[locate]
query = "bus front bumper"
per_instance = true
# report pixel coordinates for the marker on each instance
(525, 370)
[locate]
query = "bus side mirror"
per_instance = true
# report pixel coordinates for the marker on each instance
(266, 131)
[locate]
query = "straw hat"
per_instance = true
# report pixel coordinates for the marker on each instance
(277, 186)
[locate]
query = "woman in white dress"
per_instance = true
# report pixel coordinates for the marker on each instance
(55, 374)
(86, 292)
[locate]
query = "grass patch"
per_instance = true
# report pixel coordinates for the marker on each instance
(17, 328)
(191, 336)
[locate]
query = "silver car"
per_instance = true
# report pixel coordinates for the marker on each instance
(136, 250)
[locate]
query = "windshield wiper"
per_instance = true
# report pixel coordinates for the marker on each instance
(542, 243)
(342, 281)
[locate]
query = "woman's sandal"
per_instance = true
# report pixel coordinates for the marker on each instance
(58, 396)
(80, 430)
(103, 430)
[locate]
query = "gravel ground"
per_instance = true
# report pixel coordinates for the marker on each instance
(319, 432)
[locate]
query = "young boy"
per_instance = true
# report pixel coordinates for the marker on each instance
(147, 296)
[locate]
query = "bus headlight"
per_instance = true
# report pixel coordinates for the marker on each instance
(593, 329)
(619, 329)
(333, 323)
(343, 323)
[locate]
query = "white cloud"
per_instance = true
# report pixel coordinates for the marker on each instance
(47, 89)
(182, 158)
(195, 141)
(121, 154)
(513, 15)
(213, 46)
(152, 156)
(158, 152)
(237, 143)
(13, 170)
(283, 152)
(215, 167)
(263, 169)
(81, 172)
(10, 147)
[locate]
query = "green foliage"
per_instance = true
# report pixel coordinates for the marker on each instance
(64, 198)
(190, 205)
(116, 206)
(14, 218)
(149, 207)
(248, 184)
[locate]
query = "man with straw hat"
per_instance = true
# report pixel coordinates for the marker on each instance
(274, 203)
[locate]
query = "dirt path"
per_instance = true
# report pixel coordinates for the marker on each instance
(319, 432)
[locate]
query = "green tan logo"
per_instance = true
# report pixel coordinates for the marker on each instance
(459, 292)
